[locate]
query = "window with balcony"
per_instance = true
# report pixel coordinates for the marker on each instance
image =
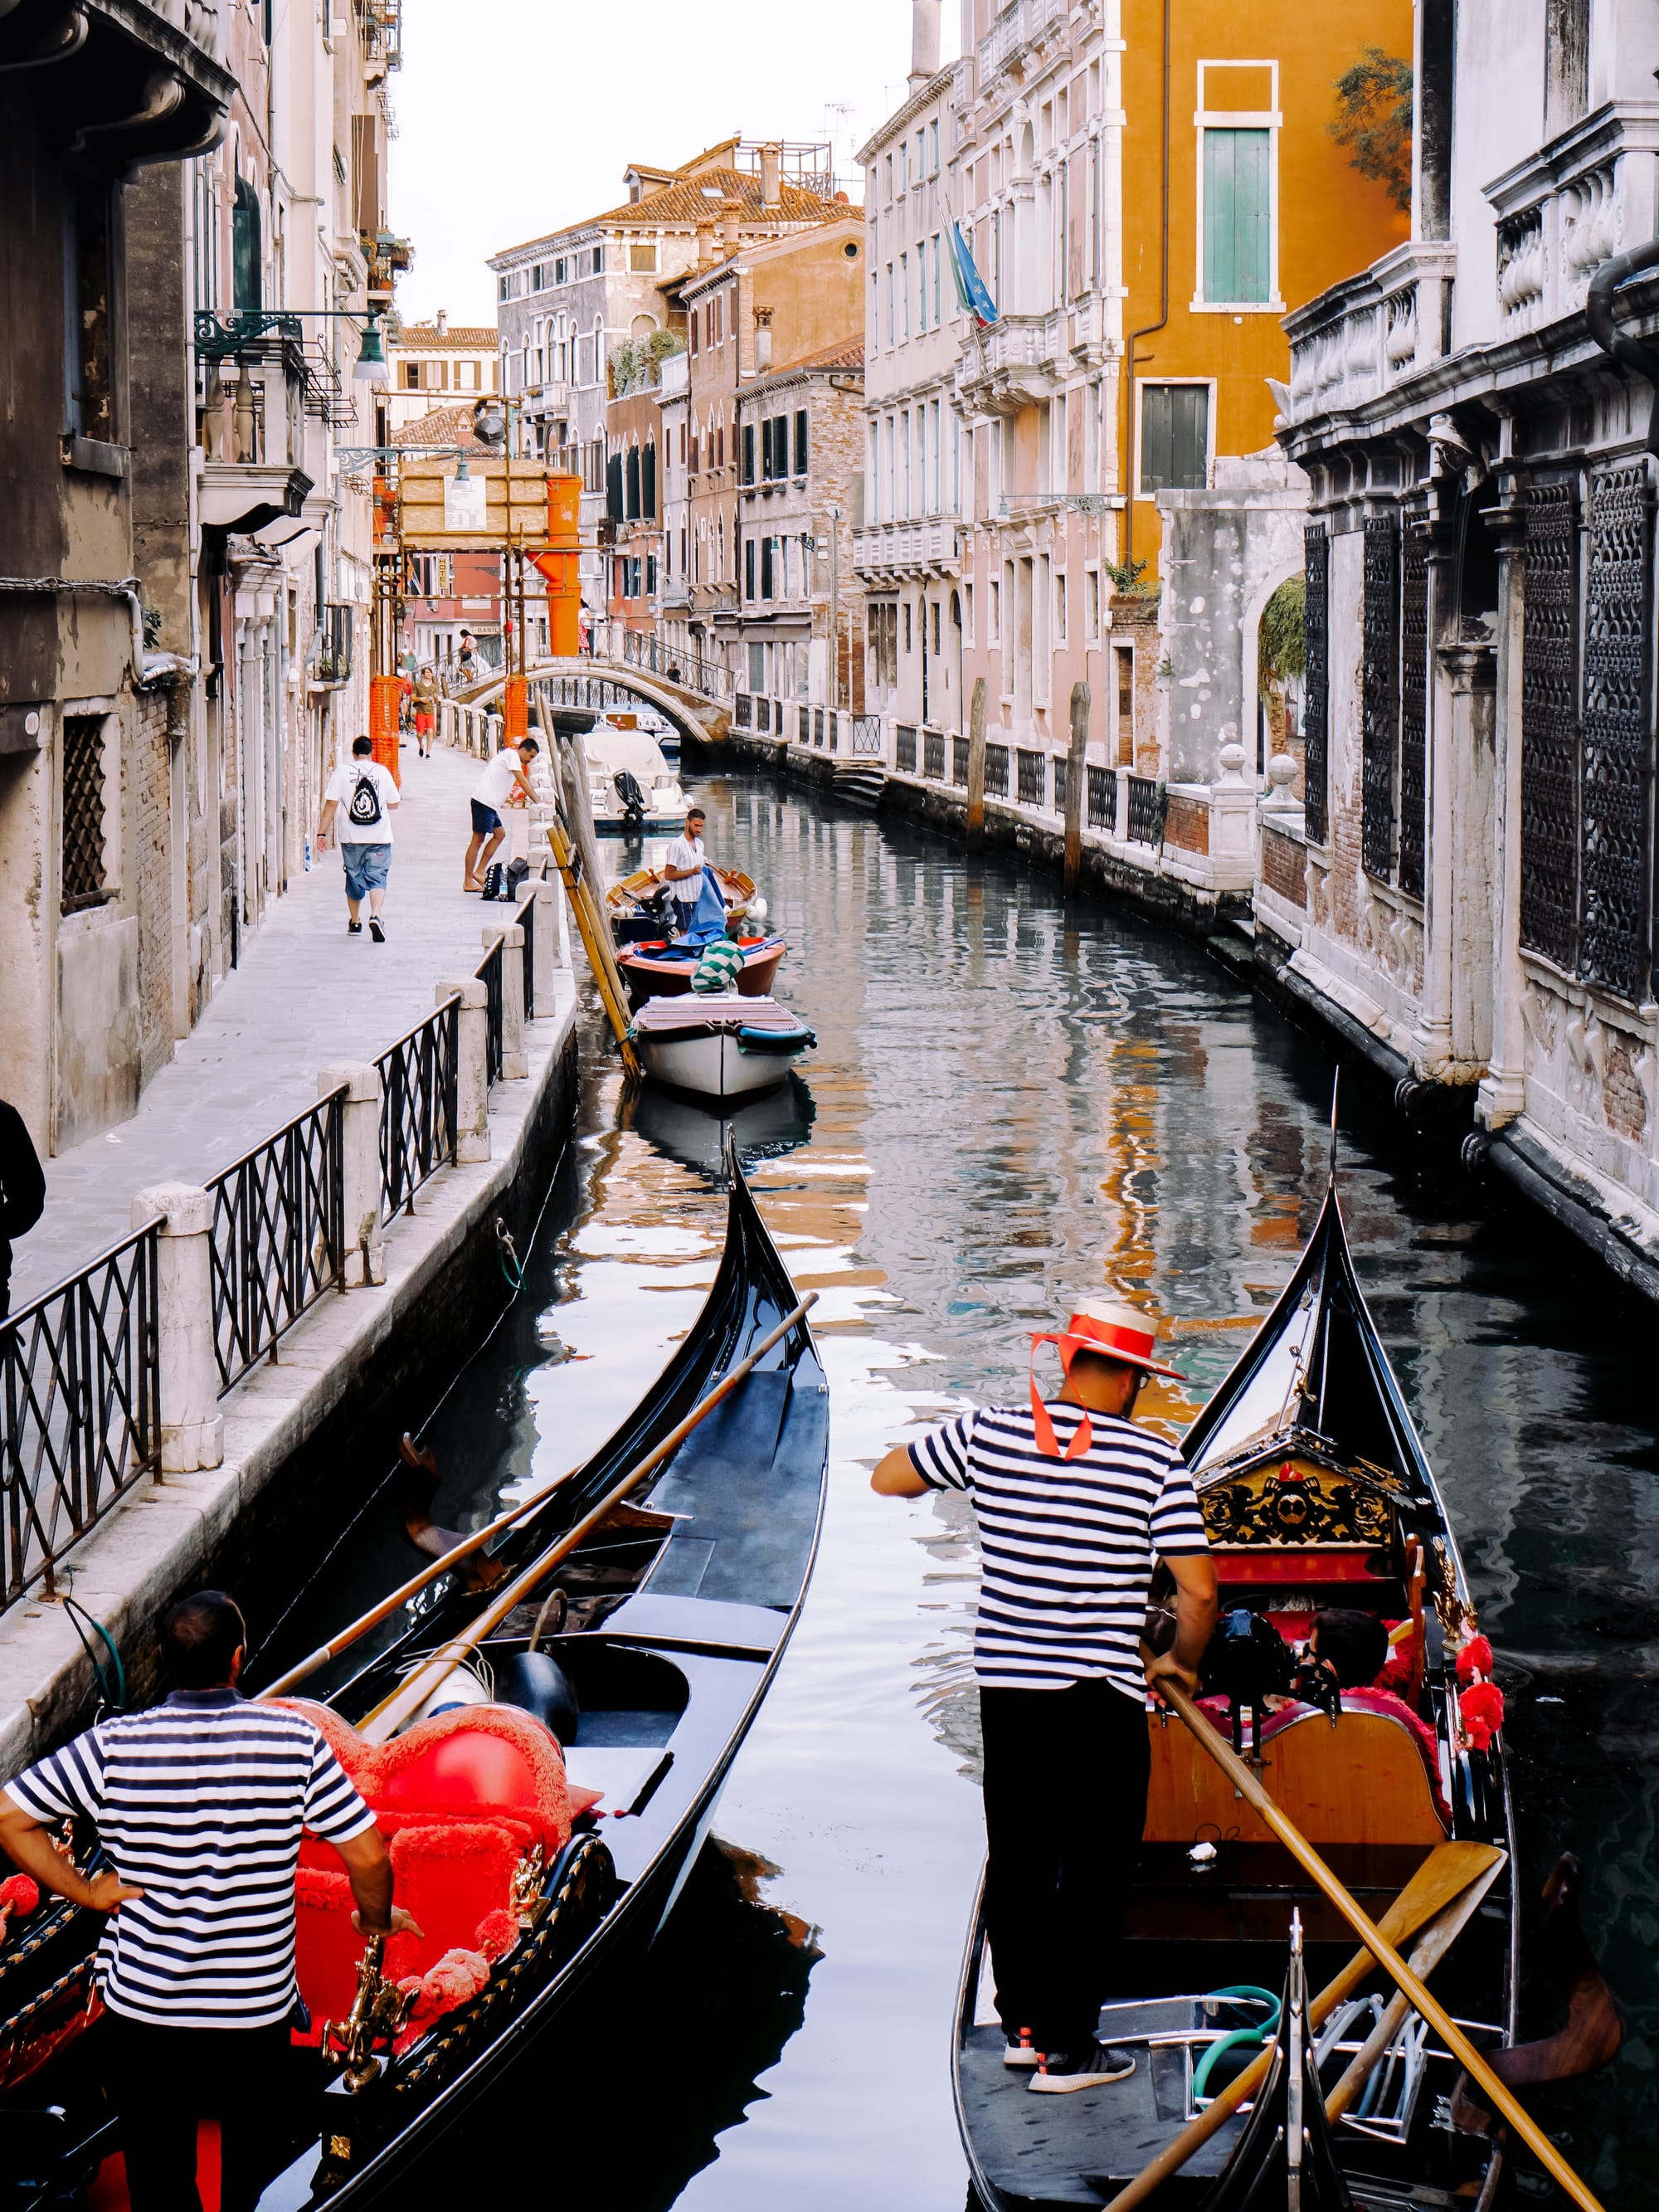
(1175, 437)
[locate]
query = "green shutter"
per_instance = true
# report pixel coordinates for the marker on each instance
(1237, 259)
(1175, 437)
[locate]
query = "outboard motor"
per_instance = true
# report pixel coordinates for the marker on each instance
(632, 798)
(1248, 1662)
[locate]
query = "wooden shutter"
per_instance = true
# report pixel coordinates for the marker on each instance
(748, 454)
(613, 487)
(648, 484)
(802, 441)
(1076, 199)
(366, 196)
(633, 483)
(1237, 259)
(749, 567)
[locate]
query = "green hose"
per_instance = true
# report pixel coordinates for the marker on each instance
(1240, 2036)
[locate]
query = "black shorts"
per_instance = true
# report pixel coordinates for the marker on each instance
(485, 818)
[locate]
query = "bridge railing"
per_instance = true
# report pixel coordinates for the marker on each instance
(651, 656)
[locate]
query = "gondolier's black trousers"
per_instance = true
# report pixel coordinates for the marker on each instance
(1066, 1776)
(162, 2080)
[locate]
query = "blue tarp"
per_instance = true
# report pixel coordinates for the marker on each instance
(708, 919)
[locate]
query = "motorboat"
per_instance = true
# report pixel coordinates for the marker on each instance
(631, 787)
(546, 1801)
(718, 1045)
(640, 906)
(663, 965)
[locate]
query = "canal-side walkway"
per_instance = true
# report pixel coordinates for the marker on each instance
(305, 997)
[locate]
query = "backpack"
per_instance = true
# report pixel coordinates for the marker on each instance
(494, 876)
(363, 807)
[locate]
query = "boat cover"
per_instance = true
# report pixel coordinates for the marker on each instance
(729, 1010)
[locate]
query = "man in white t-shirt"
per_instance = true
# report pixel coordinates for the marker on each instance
(684, 867)
(504, 782)
(363, 794)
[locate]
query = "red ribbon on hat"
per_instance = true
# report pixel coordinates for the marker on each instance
(1082, 1333)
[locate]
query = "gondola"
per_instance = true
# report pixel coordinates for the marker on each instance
(1315, 1493)
(534, 1870)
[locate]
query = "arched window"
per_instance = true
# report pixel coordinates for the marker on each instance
(245, 251)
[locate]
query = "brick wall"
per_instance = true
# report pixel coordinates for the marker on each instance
(153, 881)
(1283, 866)
(1187, 823)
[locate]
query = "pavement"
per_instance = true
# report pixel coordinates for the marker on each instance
(305, 997)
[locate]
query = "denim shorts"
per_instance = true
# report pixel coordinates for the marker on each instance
(366, 867)
(485, 818)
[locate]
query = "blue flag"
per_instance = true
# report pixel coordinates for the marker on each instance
(971, 294)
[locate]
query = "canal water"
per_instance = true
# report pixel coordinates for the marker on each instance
(1011, 1104)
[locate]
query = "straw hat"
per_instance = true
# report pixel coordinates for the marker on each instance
(1111, 1330)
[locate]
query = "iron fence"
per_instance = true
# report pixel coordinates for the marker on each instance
(959, 749)
(278, 1237)
(1033, 778)
(904, 748)
(80, 1414)
(764, 713)
(418, 1107)
(868, 742)
(933, 755)
(996, 770)
(743, 710)
(1145, 811)
(526, 918)
(1103, 798)
(488, 972)
(1062, 783)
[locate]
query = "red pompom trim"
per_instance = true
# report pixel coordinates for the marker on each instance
(496, 1934)
(1481, 1710)
(1475, 1658)
(19, 1894)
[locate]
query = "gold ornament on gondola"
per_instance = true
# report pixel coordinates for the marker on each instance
(379, 2014)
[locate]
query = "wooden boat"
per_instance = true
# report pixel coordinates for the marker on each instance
(669, 1620)
(636, 904)
(1315, 1493)
(650, 972)
(718, 1045)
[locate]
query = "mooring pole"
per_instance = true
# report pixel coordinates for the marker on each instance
(1077, 773)
(976, 764)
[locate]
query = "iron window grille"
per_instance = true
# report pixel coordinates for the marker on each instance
(1316, 571)
(1615, 947)
(1551, 733)
(83, 879)
(1380, 696)
(1414, 711)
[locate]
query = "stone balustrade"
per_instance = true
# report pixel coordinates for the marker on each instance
(1355, 341)
(1566, 209)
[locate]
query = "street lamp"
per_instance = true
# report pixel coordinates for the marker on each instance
(371, 354)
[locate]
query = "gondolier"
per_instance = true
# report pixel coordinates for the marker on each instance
(198, 1804)
(1076, 1503)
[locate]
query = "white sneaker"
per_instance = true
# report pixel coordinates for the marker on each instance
(1060, 2072)
(1022, 2052)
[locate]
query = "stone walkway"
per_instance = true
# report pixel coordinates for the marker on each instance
(305, 997)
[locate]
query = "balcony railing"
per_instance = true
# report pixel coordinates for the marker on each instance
(1570, 207)
(1016, 27)
(906, 547)
(1371, 332)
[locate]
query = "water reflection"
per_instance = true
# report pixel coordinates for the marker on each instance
(1012, 1105)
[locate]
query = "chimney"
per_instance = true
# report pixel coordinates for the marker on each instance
(762, 340)
(705, 244)
(924, 42)
(731, 215)
(442, 320)
(771, 161)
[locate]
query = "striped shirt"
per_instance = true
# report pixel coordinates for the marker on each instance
(199, 1802)
(1068, 1547)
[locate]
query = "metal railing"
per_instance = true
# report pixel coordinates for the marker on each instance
(1103, 798)
(904, 748)
(1145, 811)
(526, 918)
(79, 1418)
(743, 711)
(996, 770)
(868, 740)
(959, 749)
(488, 972)
(419, 1110)
(277, 1240)
(1033, 778)
(933, 755)
(1062, 778)
(689, 670)
(762, 713)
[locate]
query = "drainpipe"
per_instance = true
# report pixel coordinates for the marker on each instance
(1635, 354)
(127, 589)
(1147, 330)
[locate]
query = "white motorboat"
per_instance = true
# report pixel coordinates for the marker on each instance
(631, 786)
(718, 1045)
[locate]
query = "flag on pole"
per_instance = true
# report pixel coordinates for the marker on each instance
(971, 294)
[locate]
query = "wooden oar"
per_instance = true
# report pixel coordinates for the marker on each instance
(1441, 1932)
(1381, 1948)
(406, 1700)
(377, 1613)
(1444, 1876)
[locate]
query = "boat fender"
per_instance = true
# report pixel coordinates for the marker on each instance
(535, 1682)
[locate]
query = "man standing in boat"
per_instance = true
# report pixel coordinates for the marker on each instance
(198, 1804)
(1076, 1503)
(684, 866)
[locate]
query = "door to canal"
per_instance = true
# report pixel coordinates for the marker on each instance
(1012, 1102)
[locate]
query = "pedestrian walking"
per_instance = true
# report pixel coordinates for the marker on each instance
(363, 794)
(198, 1805)
(504, 782)
(466, 659)
(426, 711)
(22, 1191)
(1076, 1505)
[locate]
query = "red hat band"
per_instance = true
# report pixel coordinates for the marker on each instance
(1110, 1336)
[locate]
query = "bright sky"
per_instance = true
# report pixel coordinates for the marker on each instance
(515, 117)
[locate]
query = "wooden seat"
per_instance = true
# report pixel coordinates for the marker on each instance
(1364, 1781)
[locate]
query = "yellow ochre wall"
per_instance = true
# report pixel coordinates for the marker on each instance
(1331, 222)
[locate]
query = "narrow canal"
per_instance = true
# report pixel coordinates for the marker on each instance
(1009, 1104)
